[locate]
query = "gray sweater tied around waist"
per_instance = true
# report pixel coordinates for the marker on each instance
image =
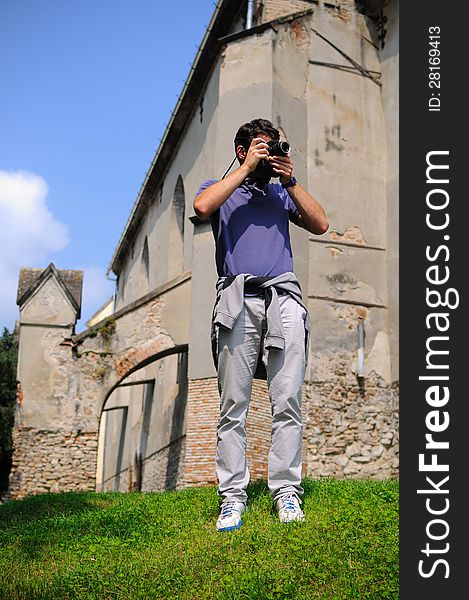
(230, 300)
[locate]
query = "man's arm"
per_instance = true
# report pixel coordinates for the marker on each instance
(312, 215)
(210, 199)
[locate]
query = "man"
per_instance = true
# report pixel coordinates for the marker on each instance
(260, 323)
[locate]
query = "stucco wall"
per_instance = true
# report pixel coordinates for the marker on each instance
(389, 61)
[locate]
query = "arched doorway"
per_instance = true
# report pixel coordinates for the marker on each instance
(142, 427)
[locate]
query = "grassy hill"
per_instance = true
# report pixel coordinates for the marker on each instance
(165, 545)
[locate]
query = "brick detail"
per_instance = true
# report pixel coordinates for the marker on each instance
(201, 422)
(273, 9)
(258, 427)
(203, 407)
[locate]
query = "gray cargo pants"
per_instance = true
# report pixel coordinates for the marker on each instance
(238, 351)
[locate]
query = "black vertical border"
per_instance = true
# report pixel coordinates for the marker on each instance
(422, 131)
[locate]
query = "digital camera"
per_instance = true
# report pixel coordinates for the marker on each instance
(279, 148)
(276, 148)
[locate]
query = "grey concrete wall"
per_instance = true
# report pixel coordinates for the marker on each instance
(202, 301)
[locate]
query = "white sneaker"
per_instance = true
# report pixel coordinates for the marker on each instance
(230, 515)
(288, 507)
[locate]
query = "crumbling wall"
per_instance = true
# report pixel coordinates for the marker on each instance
(64, 382)
(351, 432)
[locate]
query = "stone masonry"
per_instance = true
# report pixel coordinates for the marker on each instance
(58, 461)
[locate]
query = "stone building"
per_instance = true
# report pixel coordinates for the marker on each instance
(131, 403)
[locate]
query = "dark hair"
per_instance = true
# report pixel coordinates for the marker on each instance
(247, 132)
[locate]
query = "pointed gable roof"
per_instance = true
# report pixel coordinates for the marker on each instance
(71, 282)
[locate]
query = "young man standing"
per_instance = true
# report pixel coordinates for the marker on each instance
(260, 324)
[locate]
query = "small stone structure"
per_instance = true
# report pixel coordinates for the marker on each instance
(132, 402)
(55, 439)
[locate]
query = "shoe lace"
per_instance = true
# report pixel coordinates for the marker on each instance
(288, 502)
(227, 508)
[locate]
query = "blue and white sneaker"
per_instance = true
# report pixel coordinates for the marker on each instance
(288, 508)
(230, 515)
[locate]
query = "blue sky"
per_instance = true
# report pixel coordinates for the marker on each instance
(86, 91)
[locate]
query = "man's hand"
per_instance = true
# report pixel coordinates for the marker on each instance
(258, 150)
(283, 166)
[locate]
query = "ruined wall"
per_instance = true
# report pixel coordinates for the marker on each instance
(52, 461)
(55, 434)
(155, 426)
(349, 433)
(65, 380)
(352, 421)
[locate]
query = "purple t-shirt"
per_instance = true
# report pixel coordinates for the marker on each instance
(251, 230)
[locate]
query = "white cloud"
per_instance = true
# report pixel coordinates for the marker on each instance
(29, 232)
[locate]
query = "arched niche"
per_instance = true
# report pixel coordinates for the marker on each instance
(176, 231)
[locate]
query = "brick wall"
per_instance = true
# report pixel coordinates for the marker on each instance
(202, 417)
(201, 422)
(273, 9)
(259, 425)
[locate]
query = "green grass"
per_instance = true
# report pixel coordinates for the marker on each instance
(164, 545)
